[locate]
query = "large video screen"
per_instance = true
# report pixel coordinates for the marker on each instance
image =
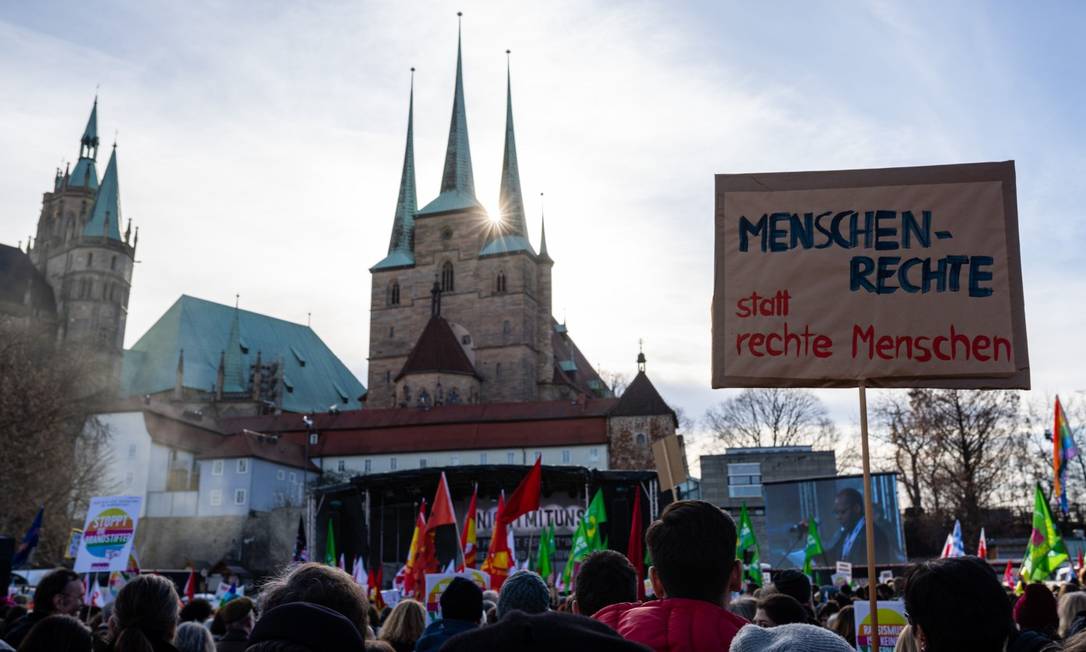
(836, 505)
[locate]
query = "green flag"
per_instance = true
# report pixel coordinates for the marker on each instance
(545, 555)
(814, 546)
(1046, 551)
(577, 552)
(330, 545)
(595, 515)
(747, 541)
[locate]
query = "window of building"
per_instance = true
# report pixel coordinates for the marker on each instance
(392, 464)
(499, 285)
(243, 465)
(745, 480)
(447, 284)
(566, 456)
(456, 460)
(216, 467)
(507, 328)
(129, 478)
(594, 454)
(388, 377)
(536, 455)
(216, 497)
(280, 475)
(394, 294)
(113, 264)
(367, 466)
(341, 466)
(422, 462)
(131, 451)
(498, 370)
(391, 332)
(510, 457)
(280, 499)
(482, 458)
(641, 439)
(314, 438)
(90, 260)
(292, 477)
(239, 496)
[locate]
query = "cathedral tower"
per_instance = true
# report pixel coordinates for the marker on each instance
(85, 257)
(495, 290)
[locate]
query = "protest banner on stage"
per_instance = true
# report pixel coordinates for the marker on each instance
(436, 583)
(108, 534)
(891, 621)
(901, 277)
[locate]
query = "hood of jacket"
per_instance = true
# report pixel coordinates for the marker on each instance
(673, 624)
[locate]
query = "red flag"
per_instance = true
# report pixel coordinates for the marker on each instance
(190, 585)
(526, 497)
(439, 543)
(375, 581)
(498, 556)
(413, 551)
(635, 551)
(1008, 576)
(1081, 560)
(468, 538)
(982, 549)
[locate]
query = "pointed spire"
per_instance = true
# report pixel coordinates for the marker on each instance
(85, 174)
(401, 248)
(511, 232)
(542, 232)
(105, 217)
(457, 181)
(234, 380)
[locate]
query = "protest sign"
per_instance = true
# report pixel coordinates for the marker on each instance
(844, 569)
(74, 537)
(903, 277)
(886, 576)
(436, 583)
(108, 534)
(392, 597)
(891, 621)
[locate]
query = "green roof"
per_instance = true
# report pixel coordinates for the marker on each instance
(105, 219)
(317, 378)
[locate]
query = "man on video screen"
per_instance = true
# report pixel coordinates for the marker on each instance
(851, 542)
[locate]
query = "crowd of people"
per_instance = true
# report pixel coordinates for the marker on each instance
(951, 604)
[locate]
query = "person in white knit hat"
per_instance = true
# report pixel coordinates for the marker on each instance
(796, 637)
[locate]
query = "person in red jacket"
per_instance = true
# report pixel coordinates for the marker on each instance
(694, 572)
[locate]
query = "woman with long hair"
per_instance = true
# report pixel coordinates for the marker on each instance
(145, 616)
(404, 625)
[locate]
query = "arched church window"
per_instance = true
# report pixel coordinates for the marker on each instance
(447, 284)
(394, 294)
(424, 398)
(500, 284)
(453, 397)
(640, 439)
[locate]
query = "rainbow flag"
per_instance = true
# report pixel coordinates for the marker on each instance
(1063, 451)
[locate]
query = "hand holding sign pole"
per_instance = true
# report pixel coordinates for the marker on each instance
(901, 277)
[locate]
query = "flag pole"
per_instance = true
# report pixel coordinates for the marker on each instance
(869, 522)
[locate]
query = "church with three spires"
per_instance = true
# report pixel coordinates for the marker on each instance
(461, 305)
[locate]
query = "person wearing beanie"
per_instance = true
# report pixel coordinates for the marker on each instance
(238, 617)
(461, 611)
(542, 632)
(524, 591)
(1036, 611)
(796, 637)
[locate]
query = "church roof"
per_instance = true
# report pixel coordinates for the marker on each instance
(641, 399)
(571, 367)
(457, 181)
(437, 351)
(105, 217)
(511, 232)
(401, 247)
(90, 132)
(85, 174)
(16, 272)
(313, 377)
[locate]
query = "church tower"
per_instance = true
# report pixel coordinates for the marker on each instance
(494, 289)
(85, 258)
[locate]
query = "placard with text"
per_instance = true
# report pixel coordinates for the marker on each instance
(898, 277)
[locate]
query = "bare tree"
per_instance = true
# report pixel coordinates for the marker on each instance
(52, 455)
(771, 417)
(904, 425)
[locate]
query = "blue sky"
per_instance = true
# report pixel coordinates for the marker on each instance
(260, 144)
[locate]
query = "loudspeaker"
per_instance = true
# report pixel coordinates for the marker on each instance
(7, 551)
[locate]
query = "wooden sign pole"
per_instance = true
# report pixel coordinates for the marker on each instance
(869, 523)
(670, 478)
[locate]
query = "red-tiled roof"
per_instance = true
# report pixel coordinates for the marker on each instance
(437, 350)
(442, 414)
(279, 450)
(175, 433)
(458, 436)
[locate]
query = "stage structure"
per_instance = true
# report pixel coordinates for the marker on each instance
(373, 515)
